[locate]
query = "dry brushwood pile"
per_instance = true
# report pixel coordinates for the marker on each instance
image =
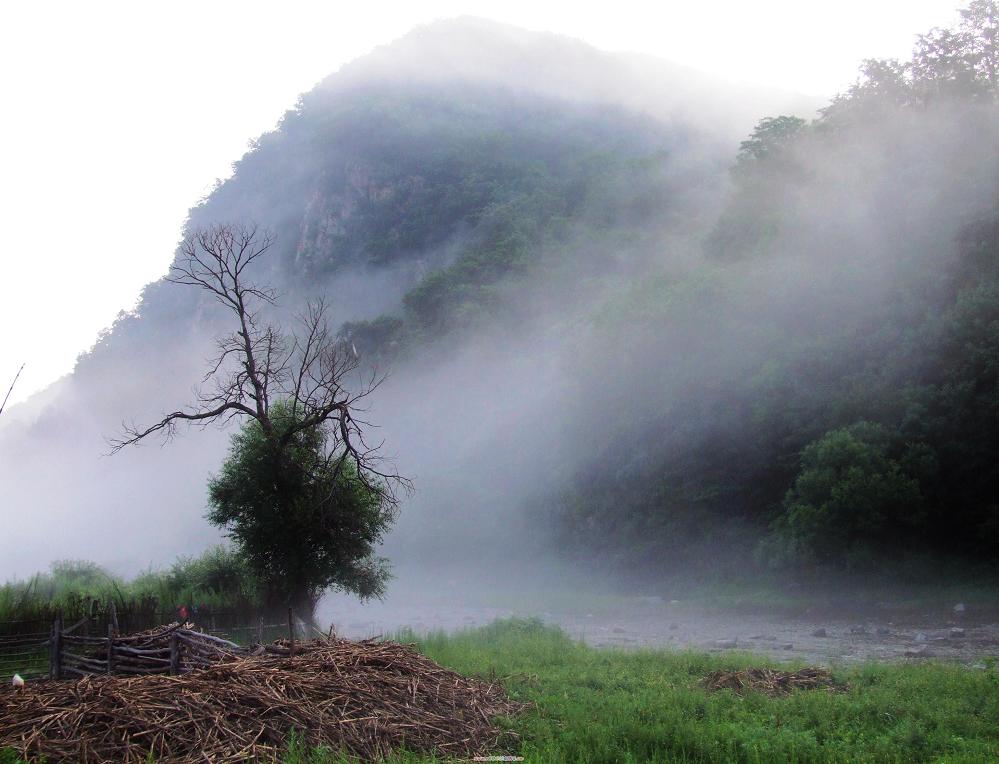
(362, 698)
(774, 682)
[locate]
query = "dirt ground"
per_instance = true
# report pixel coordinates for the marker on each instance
(968, 635)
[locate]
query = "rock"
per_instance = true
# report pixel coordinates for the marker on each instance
(619, 630)
(959, 607)
(920, 637)
(957, 633)
(858, 629)
(918, 652)
(883, 631)
(755, 636)
(819, 633)
(674, 602)
(940, 640)
(726, 644)
(787, 646)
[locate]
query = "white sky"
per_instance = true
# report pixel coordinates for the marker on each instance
(115, 118)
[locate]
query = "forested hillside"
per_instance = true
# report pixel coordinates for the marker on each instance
(609, 331)
(822, 388)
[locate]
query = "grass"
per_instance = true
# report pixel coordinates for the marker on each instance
(598, 705)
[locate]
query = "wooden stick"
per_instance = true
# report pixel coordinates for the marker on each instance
(55, 661)
(174, 655)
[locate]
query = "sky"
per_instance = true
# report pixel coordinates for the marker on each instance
(116, 117)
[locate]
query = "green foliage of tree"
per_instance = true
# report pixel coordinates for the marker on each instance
(946, 65)
(770, 136)
(851, 499)
(299, 514)
(750, 424)
(980, 28)
(750, 223)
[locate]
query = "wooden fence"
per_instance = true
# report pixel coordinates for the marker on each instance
(25, 653)
(75, 651)
(174, 649)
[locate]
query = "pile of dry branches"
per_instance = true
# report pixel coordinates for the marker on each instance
(362, 698)
(774, 682)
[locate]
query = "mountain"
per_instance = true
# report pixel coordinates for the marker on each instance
(610, 328)
(410, 186)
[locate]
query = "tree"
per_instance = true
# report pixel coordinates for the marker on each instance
(852, 496)
(770, 136)
(980, 28)
(884, 85)
(303, 524)
(302, 394)
(941, 66)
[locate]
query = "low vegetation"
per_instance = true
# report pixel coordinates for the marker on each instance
(218, 579)
(597, 705)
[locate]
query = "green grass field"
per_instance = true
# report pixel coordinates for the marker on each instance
(599, 705)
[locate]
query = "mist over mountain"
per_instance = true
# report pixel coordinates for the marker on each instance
(609, 331)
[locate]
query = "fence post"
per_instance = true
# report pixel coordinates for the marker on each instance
(110, 650)
(114, 616)
(174, 654)
(55, 648)
(260, 631)
(291, 634)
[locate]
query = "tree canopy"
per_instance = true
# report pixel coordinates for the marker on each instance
(832, 398)
(301, 516)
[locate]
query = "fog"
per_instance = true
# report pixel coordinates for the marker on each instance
(473, 50)
(493, 424)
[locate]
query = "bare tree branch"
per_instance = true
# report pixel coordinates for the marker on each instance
(258, 364)
(11, 388)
